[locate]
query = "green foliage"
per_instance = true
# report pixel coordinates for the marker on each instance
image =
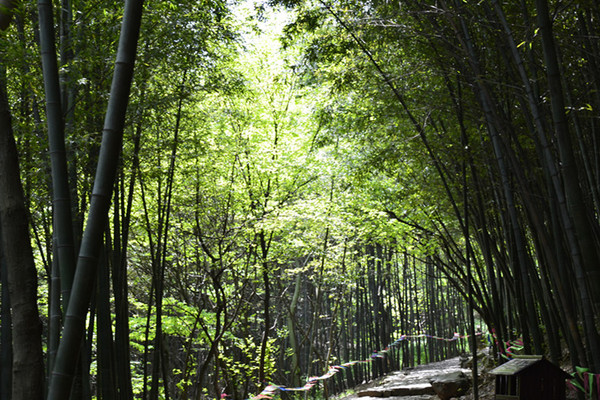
(247, 370)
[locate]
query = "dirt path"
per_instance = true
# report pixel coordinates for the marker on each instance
(408, 384)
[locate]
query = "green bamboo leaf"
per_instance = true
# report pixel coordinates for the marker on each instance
(576, 383)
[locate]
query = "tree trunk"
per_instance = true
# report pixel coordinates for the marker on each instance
(63, 229)
(5, 331)
(28, 364)
(264, 245)
(290, 319)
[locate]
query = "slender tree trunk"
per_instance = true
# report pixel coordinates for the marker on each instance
(121, 222)
(58, 155)
(291, 318)
(264, 245)
(104, 341)
(64, 260)
(54, 312)
(120, 289)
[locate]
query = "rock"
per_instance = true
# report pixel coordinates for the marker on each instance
(450, 385)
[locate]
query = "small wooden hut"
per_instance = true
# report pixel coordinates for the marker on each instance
(530, 378)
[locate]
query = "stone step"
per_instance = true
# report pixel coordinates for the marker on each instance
(416, 389)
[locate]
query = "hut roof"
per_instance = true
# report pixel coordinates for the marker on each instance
(519, 365)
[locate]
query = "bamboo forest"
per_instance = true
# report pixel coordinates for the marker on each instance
(287, 199)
